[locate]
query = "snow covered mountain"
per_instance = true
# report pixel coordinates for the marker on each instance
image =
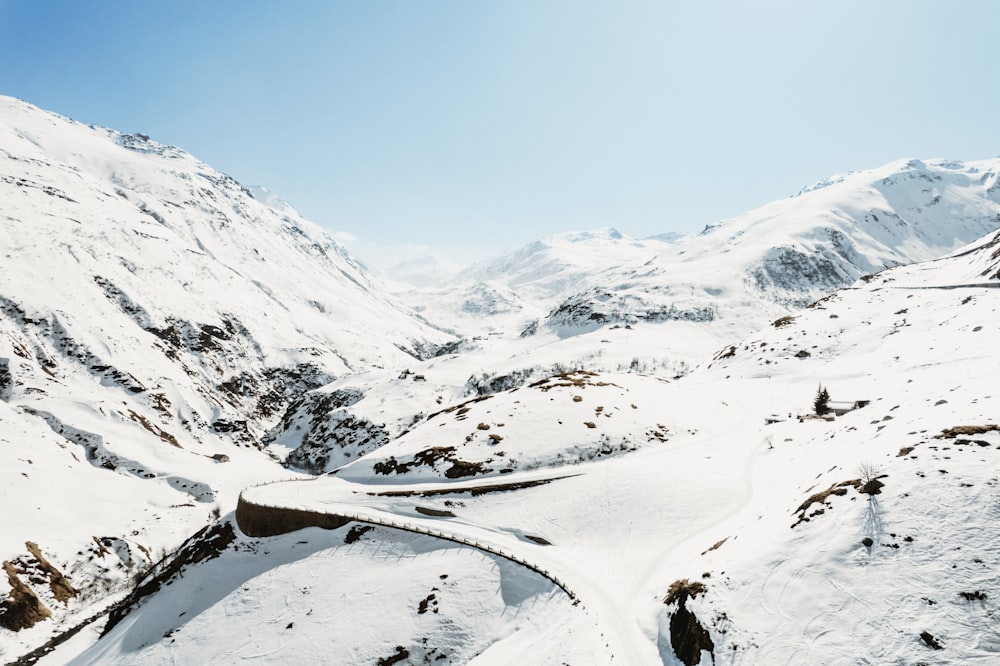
(737, 535)
(785, 254)
(791, 252)
(155, 320)
(584, 452)
(602, 301)
(556, 265)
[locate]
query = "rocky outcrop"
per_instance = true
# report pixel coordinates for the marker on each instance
(22, 609)
(688, 637)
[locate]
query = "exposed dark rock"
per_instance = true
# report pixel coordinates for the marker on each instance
(401, 654)
(688, 637)
(930, 641)
(356, 532)
(437, 513)
(204, 545)
(6, 380)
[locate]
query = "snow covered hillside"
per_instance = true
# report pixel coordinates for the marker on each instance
(791, 252)
(155, 321)
(602, 301)
(596, 449)
(750, 532)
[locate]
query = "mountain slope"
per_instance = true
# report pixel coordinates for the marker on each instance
(155, 321)
(601, 301)
(791, 252)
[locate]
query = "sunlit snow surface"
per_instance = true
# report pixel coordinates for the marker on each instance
(622, 529)
(596, 408)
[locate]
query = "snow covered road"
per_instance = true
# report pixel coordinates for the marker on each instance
(629, 528)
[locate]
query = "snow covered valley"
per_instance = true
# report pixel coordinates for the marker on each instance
(224, 440)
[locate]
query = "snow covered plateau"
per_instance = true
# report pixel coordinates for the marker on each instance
(225, 440)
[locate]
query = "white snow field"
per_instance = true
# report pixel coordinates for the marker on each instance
(618, 531)
(224, 440)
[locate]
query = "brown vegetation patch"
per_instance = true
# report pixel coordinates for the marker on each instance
(821, 498)
(970, 442)
(159, 432)
(871, 487)
(22, 608)
(681, 590)
(715, 546)
(101, 550)
(574, 378)
(462, 407)
(951, 433)
(61, 588)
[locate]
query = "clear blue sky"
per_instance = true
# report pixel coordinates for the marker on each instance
(473, 127)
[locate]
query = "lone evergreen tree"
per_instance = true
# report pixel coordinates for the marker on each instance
(821, 401)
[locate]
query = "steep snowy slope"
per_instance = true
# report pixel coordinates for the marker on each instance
(155, 321)
(749, 542)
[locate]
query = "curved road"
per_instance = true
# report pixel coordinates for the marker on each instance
(614, 614)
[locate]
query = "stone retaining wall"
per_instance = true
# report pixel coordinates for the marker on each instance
(257, 520)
